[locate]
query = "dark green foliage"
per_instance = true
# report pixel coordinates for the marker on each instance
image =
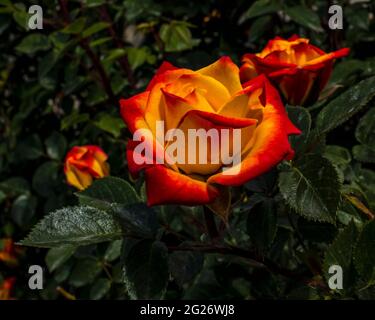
(60, 87)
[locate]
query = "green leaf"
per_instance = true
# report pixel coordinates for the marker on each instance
(305, 17)
(137, 220)
(259, 8)
(337, 155)
(312, 188)
(15, 186)
(94, 3)
(74, 119)
(113, 251)
(301, 118)
(105, 192)
(364, 153)
(146, 270)
(344, 70)
(110, 124)
(96, 27)
(47, 63)
(63, 272)
(365, 178)
(85, 272)
(100, 288)
(33, 43)
(176, 37)
(75, 27)
(57, 256)
(185, 265)
(137, 9)
(340, 157)
(341, 252)
(56, 146)
(100, 41)
(30, 148)
(45, 178)
(365, 131)
(259, 27)
(139, 56)
(345, 105)
(114, 54)
(358, 17)
(6, 3)
(261, 224)
(263, 184)
(23, 209)
(364, 257)
(77, 226)
(21, 16)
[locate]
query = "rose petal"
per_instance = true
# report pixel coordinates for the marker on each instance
(165, 186)
(132, 111)
(224, 71)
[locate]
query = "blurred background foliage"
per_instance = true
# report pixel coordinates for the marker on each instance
(60, 86)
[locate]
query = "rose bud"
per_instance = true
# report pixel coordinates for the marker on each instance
(85, 163)
(298, 69)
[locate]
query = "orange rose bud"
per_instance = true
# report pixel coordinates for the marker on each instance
(209, 99)
(299, 69)
(85, 163)
(8, 252)
(6, 288)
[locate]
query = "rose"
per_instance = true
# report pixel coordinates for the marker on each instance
(211, 97)
(8, 252)
(6, 288)
(299, 69)
(85, 163)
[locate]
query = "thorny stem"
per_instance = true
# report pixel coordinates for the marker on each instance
(124, 62)
(93, 57)
(106, 271)
(99, 68)
(262, 261)
(232, 250)
(65, 293)
(296, 231)
(210, 224)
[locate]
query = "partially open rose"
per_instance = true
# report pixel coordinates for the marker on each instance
(299, 69)
(210, 98)
(83, 164)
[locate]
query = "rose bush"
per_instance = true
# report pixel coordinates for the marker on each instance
(211, 97)
(299, 69)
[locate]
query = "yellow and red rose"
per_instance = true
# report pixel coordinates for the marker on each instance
(85, 163)
(212, 97)
(299, 69)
